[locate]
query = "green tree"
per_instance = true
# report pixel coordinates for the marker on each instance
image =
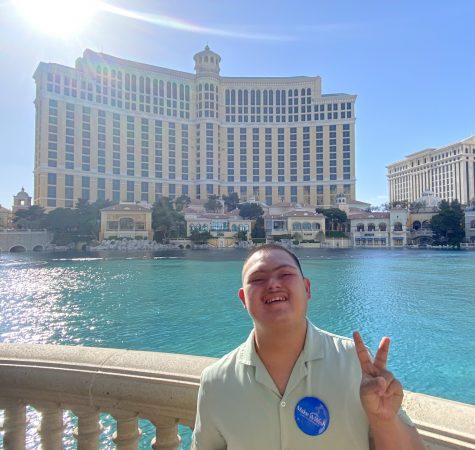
(182, 202)
(89, 219)
(241, 235)
(63, 222)
(213, 204)
(166, 221)
(200, 237)
(335, 218)
(448, 225)
(29, 219)
(250, 211)
(231, 201)
(403, 204)
(259, 232)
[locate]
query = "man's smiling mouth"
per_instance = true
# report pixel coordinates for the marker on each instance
(276, 299)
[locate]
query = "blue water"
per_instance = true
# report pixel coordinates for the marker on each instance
(186, 302)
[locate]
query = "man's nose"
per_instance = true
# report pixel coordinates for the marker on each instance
(273, 282)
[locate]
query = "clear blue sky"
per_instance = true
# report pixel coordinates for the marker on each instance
(411, 64)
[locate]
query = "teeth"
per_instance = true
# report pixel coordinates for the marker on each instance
(275, 299)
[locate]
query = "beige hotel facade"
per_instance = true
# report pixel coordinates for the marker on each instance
(126, 131)
(448, 172)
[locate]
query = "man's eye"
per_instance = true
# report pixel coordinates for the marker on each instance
(256, 280)
(286, 274)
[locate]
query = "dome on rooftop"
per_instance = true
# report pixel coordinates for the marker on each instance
(429, 199)
(22, 194)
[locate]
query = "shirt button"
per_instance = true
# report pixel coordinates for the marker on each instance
(282, 404)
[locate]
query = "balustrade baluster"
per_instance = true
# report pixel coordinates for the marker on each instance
(51, 428)
(167, 437)
(128, 433)
(14, 426)
(88, 429)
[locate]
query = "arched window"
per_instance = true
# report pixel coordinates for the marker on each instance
(360, 227)
(382, 226)
(397, 226)
(472, 224)
(234, 227)
(416, 225)
(297, 226)
(315, 226)
(371, 227)
(426, 225)
(306, 226)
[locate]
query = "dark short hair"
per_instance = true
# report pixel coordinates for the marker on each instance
(270, 247)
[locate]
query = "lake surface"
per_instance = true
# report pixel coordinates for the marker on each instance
(186, 302)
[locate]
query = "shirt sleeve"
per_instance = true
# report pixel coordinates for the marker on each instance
(205, 435)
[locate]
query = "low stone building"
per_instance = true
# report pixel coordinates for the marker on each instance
(126, 220)
(370, 229)
(222, 227)
(5, 218)
(470, 224)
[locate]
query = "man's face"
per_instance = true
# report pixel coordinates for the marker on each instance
(274, 291)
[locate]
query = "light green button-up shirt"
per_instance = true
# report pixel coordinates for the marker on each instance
(240, 408)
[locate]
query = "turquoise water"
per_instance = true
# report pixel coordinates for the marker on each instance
(186, 302)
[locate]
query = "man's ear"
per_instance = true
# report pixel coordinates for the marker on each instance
(307, 287)
(242, 297)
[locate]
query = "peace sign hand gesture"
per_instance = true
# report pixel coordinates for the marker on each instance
(381, 394)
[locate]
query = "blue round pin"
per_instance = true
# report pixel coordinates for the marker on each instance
(312, 416)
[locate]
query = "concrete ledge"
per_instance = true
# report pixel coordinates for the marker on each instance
(155, 384)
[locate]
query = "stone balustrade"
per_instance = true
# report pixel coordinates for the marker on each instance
(156, 386)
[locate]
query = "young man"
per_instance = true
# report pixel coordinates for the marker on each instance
(293, 386)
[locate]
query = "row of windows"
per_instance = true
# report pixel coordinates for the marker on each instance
(136, 94)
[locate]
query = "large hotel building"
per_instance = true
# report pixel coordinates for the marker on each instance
(125, 131)
(448, 172)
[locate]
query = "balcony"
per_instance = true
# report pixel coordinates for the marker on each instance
(159, 387)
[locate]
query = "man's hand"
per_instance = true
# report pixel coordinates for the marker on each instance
(381, 394)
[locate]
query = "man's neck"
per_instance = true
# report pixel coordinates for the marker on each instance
(279, 349)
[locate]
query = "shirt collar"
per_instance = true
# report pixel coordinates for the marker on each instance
(313, 347)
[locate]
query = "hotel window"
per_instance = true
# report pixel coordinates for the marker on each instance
(144, 148)
(319, 195)
(144, 191)
(130, 145)
(281, 193)
(209, 151)
(243, 154)
(86, 139)
(158, 149)
(116, 190)
(101, 141)
(51, 194)
(130, 191)
(69, 191)
(184, 152)
(293, 194)
(280, 154)
(116, 144)
(306, 154)
(53, 133)
(158, 191)
(101, 188)
(230, 147)
(255, 154)
(85, 185)
(69, 144)
(268, 191)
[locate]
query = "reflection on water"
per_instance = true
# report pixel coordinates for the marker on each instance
(186, 302)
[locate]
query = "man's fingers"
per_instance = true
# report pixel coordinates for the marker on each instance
(382, 354)
(362, 352)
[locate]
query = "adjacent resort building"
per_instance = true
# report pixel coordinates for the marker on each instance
(121, 130)
(448, 172)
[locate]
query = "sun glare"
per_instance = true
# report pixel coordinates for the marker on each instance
(62, 18)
